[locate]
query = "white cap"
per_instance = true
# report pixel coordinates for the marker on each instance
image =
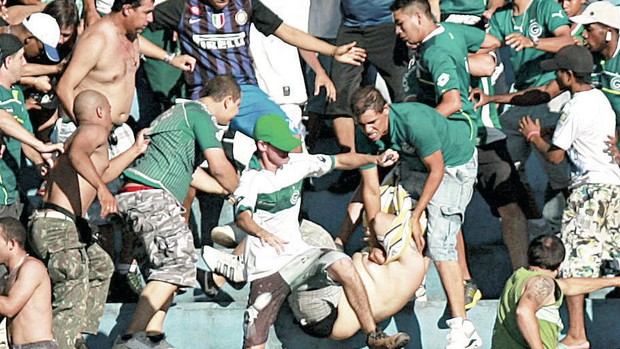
(45, 28)
(599, 12)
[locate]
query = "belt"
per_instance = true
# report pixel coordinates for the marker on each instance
(48, 213)
(134, 188)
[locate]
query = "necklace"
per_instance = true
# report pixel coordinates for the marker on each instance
(524, 14)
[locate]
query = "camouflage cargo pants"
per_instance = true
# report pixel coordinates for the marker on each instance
(80, 276)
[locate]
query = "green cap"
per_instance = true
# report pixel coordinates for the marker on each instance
(273, 129)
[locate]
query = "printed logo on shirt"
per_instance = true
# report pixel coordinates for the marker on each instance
(558, 14)
(218, 20)
(443, 79)
(194, 20)
(241, 17)
(195, 10)
(615, 83)
(535, 30)
(219, 41)
(295, 197)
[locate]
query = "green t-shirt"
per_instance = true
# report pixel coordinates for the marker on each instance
(540, 20)
(177, 136)
(506, 333)
(465, 7)
(606, 76)
(442, 66)
(12, 101)
(417, 131)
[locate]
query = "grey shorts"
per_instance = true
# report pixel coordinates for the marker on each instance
(164, 246)
(306, 272)
(49, 344)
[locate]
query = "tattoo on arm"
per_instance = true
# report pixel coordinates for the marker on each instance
(540, 289)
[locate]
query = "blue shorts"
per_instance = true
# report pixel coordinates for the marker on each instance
(446, 210)
(254, 104)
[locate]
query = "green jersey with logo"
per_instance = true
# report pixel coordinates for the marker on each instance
(506, 333)
(540, 20)
(606, 76)
(417, 131)
(442, 67)
(13, 102)
(466, 7)
(177, 136)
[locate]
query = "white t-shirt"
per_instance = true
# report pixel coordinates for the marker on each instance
(274, 200)
(586, 121)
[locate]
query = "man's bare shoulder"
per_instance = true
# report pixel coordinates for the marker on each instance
(101, 30)
(540, 289)
(33, 269)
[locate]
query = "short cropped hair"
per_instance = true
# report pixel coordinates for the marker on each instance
(221, 86)
(366, 98)
(12, 229)
(546, 252)
(419, 5)
(118, 4)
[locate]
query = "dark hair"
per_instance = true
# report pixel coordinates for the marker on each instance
(220, 87)
(118, 4)
(12, 229)
(583, 78)
(366, 98)
(546, 252)
(65, 12)
(420, 5)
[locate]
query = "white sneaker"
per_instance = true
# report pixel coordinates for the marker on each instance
(462, 335)
(140, 340)
(225, 264)
(227, 235)
(420, 293)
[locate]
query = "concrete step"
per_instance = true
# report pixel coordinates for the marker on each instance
(218, 325)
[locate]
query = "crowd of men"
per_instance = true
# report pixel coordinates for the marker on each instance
(116, 115)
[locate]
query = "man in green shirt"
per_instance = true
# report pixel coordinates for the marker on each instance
(534, 30)
(152, 199)
(15, 126)
(437, 167)
(528, 315)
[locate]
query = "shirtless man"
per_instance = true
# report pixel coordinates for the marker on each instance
(26, 294)
(80, 176)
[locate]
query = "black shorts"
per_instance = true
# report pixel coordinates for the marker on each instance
(498, 179)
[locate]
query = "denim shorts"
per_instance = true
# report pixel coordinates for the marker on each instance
(446, 210)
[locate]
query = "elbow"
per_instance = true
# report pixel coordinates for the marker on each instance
(555, 159)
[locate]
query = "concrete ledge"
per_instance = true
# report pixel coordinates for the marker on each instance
(211, 325)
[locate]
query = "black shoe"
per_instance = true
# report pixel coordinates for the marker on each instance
(206, 282)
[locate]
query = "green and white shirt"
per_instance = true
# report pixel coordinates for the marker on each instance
(274, 199)
(13, 102)
(540, 20)
(417, 131)
(177, 136)
(443, 67)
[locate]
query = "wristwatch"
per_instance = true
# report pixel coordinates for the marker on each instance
(535, 40)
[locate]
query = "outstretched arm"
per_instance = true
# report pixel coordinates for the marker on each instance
(349, 53)
(10, 127)
(350, 161)
(120, 163)
(149, 49)
(530, 96)
(580, 286)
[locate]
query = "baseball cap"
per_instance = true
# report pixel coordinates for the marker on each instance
(273, 129)
(599, 12)
(45, 28)
(9, 44)
(575, 58)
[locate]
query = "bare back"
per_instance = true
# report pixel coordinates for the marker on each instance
(105, 61)
(389, 287)
(66, 187)
(33, 322)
